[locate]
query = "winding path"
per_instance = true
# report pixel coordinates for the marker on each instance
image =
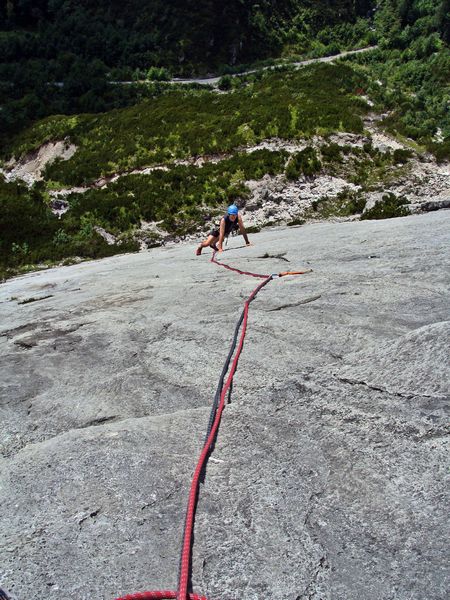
(214, 81)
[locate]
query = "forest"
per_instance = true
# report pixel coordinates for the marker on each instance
(59, 56)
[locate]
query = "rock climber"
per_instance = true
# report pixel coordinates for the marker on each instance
(228, 223)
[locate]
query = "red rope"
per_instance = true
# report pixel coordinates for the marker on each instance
(182, 593)
(162, 595)
(186, 552)
(213, 259)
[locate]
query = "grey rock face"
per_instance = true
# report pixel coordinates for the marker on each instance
(276, 199)
(108, 237)
(436, 204)
(407, 365)
(328, 478)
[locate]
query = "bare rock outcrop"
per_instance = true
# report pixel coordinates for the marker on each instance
(328, 476)
(30, 167)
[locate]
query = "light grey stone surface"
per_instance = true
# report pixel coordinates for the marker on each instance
(328, 480)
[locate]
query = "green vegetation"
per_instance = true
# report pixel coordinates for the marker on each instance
(190, 35)
(31, 234)
(346, 203)
(60, 56)
(366, 166)
(317, 99)
(63, 57)
(331, 153)
(303, 163)
(62, 61)
(401, 156)
(183, 197)
(180, 198)
(410, 72)
(158, 74)
(389, 207)
(225, 83)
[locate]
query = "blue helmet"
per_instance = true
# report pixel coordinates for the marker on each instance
(233, 209)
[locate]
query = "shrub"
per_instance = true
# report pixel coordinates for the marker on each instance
(25, 221)
(60, 238)
(304, 162)
(225, 83)
(31, 233)
(158, 74)
(181, 191)
(367, 147)
(441, 150)
(331, 152)
(296, 221)
(316, 98)
(332, 49)
(390, 206)
(402, 155)
(356, 204)
(413, 69)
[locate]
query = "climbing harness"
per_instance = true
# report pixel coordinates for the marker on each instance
(213, 426)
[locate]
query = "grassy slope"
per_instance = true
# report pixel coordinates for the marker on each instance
(179, 124)
(84, 45)
(320, 99)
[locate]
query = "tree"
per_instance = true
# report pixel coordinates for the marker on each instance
(443, 20)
